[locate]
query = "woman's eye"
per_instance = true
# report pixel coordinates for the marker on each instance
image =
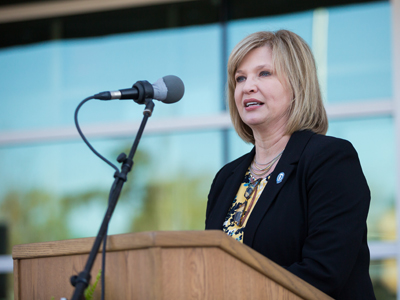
(240, 78)
(265, 73)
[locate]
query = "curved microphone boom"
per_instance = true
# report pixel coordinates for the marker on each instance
(168, 89)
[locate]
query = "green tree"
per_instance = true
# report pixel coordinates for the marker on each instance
(178, 204)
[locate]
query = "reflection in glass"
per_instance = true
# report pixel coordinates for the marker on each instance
(59, 191)
(359, 69)
(55, 76)
(384, 278)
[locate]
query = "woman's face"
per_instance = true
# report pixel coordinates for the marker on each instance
(261, 99)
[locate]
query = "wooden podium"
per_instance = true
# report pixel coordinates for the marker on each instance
(158, 265)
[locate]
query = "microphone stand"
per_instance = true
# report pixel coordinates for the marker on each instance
(81, 281)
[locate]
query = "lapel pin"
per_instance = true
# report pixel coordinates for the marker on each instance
(280, 177)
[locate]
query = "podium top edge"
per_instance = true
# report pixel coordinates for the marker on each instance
(119, 242)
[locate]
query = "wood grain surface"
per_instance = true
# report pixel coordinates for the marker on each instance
(158, 265)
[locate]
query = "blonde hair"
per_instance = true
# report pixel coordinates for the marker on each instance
(294, 63)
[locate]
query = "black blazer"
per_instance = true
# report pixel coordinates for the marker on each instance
(313, 221)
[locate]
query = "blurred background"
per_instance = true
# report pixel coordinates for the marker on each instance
(54, 53)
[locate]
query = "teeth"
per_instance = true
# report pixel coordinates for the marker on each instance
(252, 103)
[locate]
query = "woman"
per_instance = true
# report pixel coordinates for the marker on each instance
(299, 197)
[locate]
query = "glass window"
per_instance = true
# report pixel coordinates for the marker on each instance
(65, 186)
(43, 84)
(300, 23)
(384, 278)
(359, 52)
(237, 147)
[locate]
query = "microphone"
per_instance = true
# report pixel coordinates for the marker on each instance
(168, 89)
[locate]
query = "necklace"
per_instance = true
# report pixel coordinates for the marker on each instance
(241, 213)
(261, 169)
(260, 164)
(259, 174)
(265, 170)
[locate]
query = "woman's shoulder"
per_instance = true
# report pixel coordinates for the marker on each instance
(312, 150)
(325, 144)
(327, 153)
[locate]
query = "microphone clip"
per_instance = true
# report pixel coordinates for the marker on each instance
(149, 107)
(145, 91)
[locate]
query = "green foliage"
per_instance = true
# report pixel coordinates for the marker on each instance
(178, 204)
(29, 216)
(89, 292)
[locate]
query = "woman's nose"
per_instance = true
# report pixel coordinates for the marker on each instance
(250, 86)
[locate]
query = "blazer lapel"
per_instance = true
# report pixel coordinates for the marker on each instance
(282, 172)
(228, 193)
